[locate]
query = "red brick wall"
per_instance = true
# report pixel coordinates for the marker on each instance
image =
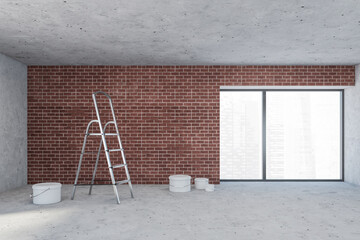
(168, 116)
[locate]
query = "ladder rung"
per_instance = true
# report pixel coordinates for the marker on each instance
(118, 166)
(115, 150)
(99, 134)
(122, 182)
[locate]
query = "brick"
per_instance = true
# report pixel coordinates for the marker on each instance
(168, 116)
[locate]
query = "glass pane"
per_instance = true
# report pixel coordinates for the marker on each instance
(303, 135)
(240, 135)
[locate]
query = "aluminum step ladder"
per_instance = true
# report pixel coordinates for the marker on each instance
(103, 135)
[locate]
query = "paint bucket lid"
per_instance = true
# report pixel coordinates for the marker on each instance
(179, 177)
(201, 180)
(47, 185)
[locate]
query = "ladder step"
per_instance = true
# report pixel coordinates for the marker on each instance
(122, 182)
(115, 150)
(118, 166)
(99, 134)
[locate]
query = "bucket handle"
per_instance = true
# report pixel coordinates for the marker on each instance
(32, 196)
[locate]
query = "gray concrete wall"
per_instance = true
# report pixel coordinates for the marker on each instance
(352, 131)
(13, 123)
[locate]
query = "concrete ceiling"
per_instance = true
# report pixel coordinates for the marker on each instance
(181, 32)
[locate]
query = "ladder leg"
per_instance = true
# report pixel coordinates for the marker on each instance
(96, 165)
(116, 194)
(114, 185)
(127, 174)
(130, 186)
(79, 166)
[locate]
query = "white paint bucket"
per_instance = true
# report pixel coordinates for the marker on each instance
(180, 183)
(210, 188)
(46, 193)
(201, 183)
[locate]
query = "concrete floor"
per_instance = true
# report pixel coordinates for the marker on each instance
(252, 210)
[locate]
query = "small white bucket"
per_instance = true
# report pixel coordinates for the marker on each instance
(201, 183)
(46, 193)
(180, 183)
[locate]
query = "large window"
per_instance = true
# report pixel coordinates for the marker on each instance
(281, 135)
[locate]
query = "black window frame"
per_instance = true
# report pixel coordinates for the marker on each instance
(264, 91)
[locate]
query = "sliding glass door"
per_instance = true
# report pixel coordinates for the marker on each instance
(302, 133)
